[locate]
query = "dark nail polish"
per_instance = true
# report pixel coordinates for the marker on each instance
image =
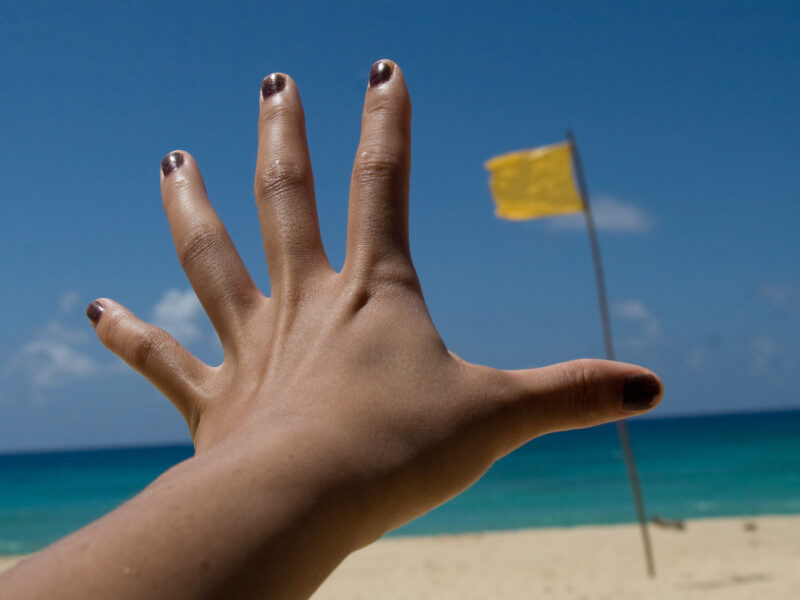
(94, 311)
(272, 84)
(380, 73)
(170, 162)
(639, 392)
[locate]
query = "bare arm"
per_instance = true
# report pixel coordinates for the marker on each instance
(337, 415)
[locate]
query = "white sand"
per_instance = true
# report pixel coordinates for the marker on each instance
(711, 558)
(8, 561)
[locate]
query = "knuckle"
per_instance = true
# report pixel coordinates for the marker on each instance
(378, 161)
(148, 344)
(584, 395)
(181, 187)
(200, 244)
(393, 274)
(281, 177)
(386, 280)
(277, 112)
(113, 326)
(356, 297)
(394, 107)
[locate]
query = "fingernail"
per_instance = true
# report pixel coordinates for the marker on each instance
(170, 162)
(94, 311)
(272, 84)
(639, 392)
(380, 73)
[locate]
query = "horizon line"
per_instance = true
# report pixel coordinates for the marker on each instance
(188, 443)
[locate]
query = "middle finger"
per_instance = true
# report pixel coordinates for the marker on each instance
(284, 188)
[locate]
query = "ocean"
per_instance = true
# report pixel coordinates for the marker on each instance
(710, 466)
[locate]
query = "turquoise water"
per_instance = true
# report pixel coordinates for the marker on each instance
(727, 465)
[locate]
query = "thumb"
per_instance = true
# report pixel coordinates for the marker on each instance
(576, 394)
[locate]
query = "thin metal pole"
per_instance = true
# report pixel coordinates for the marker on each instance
(622, 427)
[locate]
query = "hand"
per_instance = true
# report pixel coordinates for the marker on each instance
(346, 367)
(343, 376)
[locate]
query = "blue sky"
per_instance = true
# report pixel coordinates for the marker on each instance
(686, 114)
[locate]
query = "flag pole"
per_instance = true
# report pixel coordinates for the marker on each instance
(622, 427)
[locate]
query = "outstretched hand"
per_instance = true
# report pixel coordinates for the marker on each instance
(347, 368)
(338, 413)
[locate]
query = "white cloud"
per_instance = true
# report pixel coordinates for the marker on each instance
(764, 350)
(51, 363)
(57, 332)
(69, 301)
(610, 215)
(702, 352)
(780, 295)
(177, 313)
(636, 312)
(52, 358)
(697, 356)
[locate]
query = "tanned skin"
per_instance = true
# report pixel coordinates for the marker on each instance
(338, 413)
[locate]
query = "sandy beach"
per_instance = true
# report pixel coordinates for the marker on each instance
(8, 561)
(732, 558)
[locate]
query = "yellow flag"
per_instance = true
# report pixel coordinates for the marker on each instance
(534, 183)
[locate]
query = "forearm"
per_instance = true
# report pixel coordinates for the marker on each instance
(217, 525)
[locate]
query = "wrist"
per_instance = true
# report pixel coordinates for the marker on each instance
(288, 482)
